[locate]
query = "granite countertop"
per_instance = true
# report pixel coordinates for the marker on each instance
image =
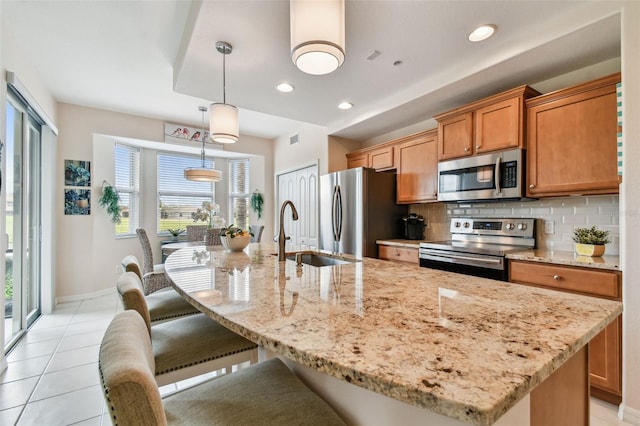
(401, 243)
(608, 262)
(461, 346)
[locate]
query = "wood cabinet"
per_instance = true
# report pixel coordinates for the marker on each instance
(417, 180)
(379, 157)
(398, 254)
(571, 137)
(605, 349)
(490, 124)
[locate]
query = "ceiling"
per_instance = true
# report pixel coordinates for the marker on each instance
(158, 58)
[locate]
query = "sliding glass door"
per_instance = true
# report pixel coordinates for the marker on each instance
(22, 184)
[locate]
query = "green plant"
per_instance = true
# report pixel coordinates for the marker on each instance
(232, 231)
(175, 232)
(591, 236)
(257, 201)
(110, 201)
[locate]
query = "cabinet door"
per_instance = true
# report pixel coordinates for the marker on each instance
(417, 179)
(572, 145)
(498, 126)
(382, 159)
(604, 363)
(357, 160)
(455, 136)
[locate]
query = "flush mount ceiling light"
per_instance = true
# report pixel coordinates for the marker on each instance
(224, 125)
(483, 32)
(345, 105)
(285, 87)
(202, 174)
(317, 35)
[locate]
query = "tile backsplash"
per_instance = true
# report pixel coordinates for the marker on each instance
(565, 213)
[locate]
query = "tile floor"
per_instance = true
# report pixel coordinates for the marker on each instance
(52, 377)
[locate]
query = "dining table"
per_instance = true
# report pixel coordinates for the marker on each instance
(391, 343)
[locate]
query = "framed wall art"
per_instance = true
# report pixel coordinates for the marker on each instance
(77, 173)
(77, 201)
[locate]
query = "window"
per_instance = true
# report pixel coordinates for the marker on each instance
(239, 192)
(177, 196)
(127, 159)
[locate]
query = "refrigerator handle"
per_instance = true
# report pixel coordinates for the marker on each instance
(334, 213)
(339, 213)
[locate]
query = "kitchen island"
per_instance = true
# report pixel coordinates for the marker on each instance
(467, 348)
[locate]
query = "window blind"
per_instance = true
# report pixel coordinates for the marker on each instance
(127, 183)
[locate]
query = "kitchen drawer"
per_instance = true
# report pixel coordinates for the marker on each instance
(399, 254)
(592, 282)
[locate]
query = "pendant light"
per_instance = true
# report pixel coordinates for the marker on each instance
(317, 35)
(202, 174)
(224, 125)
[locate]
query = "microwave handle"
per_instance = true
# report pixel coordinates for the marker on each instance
(496, 175)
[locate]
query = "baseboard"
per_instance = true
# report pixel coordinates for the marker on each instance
(80, 297)
(629, 415)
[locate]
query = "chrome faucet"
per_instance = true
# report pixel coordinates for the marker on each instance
(282, 239)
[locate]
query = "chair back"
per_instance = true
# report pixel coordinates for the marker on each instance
(256, 230)
(213, 237)
(146, 250)
(196, 232)
(132, 295)
(126, 365)
(130, 264)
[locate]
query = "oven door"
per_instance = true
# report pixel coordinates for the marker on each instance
(479, 265)
(482, 177)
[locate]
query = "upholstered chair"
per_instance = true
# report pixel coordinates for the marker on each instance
(267, 393)
(153, 276)
(187, 346)
(256, 230)
(164, 305)
(196, 232)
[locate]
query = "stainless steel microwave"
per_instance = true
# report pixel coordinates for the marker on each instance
(493, 176)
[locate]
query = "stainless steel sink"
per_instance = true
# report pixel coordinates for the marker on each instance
(315, 259)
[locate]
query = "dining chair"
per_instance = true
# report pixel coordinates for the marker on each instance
(165, 304)
(153, 276)
(256, 230)
(212, 237)
(196, 232)
(267, 393)
(187, 346)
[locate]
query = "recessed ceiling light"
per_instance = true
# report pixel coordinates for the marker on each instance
(483, 32)
(285, 87)
(345, 105)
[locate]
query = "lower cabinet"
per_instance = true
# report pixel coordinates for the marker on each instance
(605, 349)
(398, 254)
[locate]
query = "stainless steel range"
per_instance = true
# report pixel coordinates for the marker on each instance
(478, 246)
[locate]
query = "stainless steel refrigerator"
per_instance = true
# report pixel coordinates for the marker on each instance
(357, 208)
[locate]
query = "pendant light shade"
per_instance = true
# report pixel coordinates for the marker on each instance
(202, 174)
(224, 125)
(317, 35)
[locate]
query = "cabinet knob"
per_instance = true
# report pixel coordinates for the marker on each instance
(556, 277)
(397, 253)
(466, 150)
(532, 186)
(477, 146)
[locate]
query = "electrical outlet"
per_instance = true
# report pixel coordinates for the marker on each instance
(549, 227)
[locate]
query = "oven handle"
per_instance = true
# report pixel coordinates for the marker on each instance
(496, 176)
(474, 259)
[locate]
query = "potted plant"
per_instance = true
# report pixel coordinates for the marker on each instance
(234, 238)
(110, 201)
(257, 201)
(175, 232)
(590, 241)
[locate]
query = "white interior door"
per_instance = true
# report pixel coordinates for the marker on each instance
(301, 187)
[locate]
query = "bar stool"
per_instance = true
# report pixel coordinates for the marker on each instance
(165, 304)
(267, 393)
(187, 346)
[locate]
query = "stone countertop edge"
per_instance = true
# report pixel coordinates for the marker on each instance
(606, 262)
(468, 361)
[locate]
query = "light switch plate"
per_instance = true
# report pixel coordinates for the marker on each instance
(549, 227)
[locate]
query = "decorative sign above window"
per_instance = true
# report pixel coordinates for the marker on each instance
(177, 133)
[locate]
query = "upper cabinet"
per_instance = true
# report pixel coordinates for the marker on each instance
(417, 160)
(490, 124)
(379, 157)
(572, 140)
